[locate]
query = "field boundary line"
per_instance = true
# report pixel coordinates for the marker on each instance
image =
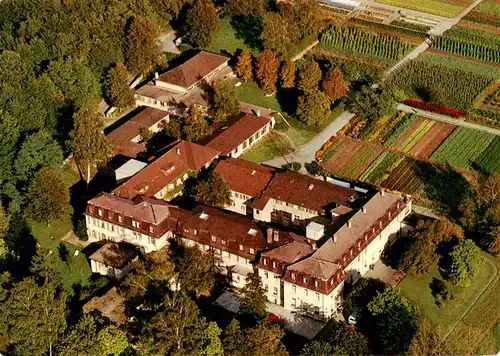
(475, 300)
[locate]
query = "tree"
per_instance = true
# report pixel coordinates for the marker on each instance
(358, 296)
(146, 134)
(196, 270)
(266, 70)
(317, 348)
(195, 125)
(202, 22)
(213, 191)
(428, 341)
(212, 345)
(232, 338)
(48, 197)
(112, 341)
(309, 77)
(418, 258)
(314, 109)
(372, 103)
(263, 340)
(173, 128)
(396, 322)
(142, 50)
(116, 87)
(287, 74)
(246, 8)
(465, 261)
(244, 66)
(252, 297)
(87, 140)
(4, 227)
(334, 84)
(277, 34)
(306, 16)
(178, 329)
(38, 150)
(344, 337)
(224, 100)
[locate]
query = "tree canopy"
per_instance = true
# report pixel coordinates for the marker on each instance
(266, 70)
(143, 51)
(465, 261)
(314, 109)
(252, 297)
(244, 65)
(287, 74)
(309, 77)
(213, 191)
(371, 104)
(224, 101)
(195, 125)
(116, 87)
(334, 84)
(201, 23)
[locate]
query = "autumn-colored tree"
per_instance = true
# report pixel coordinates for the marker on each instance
(276, 33)
(142, 50)
(334, 84)
(306, 17)
(287, 74)
(428, 341)
(244, 66)
(116, 87)
(196, 270)
(48, 197)
(266, 70)
(309, 77)
(202, 22)
(213, 191)
(246, 8)
(314, 109)
(195, 125)
(224, 100)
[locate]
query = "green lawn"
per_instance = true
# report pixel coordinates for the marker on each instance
(430, 6)
(270, 147)
(446, 319)
(251, 93)
(76, 269)
(225, 40)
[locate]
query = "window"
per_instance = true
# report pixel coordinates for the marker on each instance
(241, 247)
(316, 283)
(317, 297)
(257, 212)
(294, 302)
(224, 242)
(266, 274)
(305, 280)
(306, 292)
(252, 251)
(112, 227)
(93, 233)
(110, 215)
(266, 287)
(293, 275)
(102, 224)
(195, 232)
(120, 218)
(274, 264)
(275, 291)
(242, 207)
(265, 262)
(151, 229)
(294, 289)
(214, 239)
(296, 217)
(136, 224)
(99, 211)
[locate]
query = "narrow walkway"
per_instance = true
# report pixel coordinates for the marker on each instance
(448, 120)
(304, 51)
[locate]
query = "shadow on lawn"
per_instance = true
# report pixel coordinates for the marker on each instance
(248, 28)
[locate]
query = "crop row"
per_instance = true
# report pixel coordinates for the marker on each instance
(489, 160)
(473, 35)
(456, 63)
(399, 129)
(452, 87)
(463, 147)
(363, 158)
(357, 41)
(468, 49)
(381, 167)
(416, 135)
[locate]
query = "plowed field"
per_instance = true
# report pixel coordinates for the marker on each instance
(432, 140)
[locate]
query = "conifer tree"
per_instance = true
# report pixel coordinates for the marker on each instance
(266, 70)
(244, 67)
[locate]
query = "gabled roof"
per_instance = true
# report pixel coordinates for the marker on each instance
(293, 251)
(304, 191)
(241, 128)
(243, 176)
(182, 158)
(194, 69)
(315, 267)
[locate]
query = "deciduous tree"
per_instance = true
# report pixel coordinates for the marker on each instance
(202, 22)
(246, 8)
(317, 348)
(195, 125)
(142, 50)
(87, 141)
(309, 77)
(196, 270)
(334, 84)
(372, 103)
(277, 33)
(212, 345)
(48, 197)
(306, 17)
(348, 339)
(263, 340)
(287, 74)
(116, 87)
(266, 70)
(252, 297)
(428, 341)
(465, 261)
(213, 191)
(4, 227)
(244, 65)
(111, 340)
(224, 101)
(314, 109)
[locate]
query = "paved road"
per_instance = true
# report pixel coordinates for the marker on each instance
(167, 42)
(448, 120)
(307, 152)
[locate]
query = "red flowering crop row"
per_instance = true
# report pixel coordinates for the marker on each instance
(433, 107)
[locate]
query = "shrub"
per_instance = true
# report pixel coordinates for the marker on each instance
(81, 230)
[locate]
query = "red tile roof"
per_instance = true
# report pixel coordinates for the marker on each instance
(304, 191)
(243, 127)
(194, 69)
(244, 177)
(121, 137)
(296, 249)
(182, 158)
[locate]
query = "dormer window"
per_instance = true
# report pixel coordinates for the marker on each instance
(110, 215)
(241, 247)
(151, 229)
(305, 280)
(293, 275)
(214, 239)
(224, 242)
(274, 264)
(265, 262)
(195, 232)
(136, 224)
(120, 218)
(316, 283)
(252, 251)
(99, 211)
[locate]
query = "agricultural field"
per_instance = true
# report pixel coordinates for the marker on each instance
(488, 12)
(354, 41)
(463, 148)
(467, 48)
(437, 7)
(360, 162)
(490, 101)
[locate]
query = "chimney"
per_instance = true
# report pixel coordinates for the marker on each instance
(178, 151)
(314, 246)
(363, 209)
(269, 235)
(157, 76)
(311, 186)
(382, 192)
(335, 238)
(257, 112)
(276, 235)
(349, 225)
(253, 172)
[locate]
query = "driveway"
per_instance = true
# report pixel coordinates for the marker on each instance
(167, 42)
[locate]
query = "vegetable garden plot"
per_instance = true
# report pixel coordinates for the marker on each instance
(489, 159)
(416, 135)
(345, 150)
(462, 148)
(404, 178)
(432, 140)
(381, 167)
(360, 162)
(467, 48)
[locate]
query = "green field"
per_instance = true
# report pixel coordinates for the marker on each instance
(463, 147)
(363, 157)
(491, 7)
(252, 94)
(481, 298)
(379, 170)
(272, 146)
(489, 159)
(435, 7)
(225, 41)
(485, 70)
